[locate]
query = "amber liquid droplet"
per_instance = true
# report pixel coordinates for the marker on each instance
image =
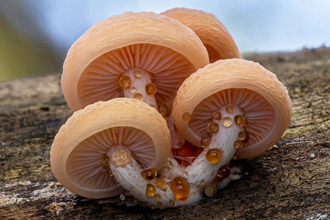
(153, 207)
(235, 157)
(124, 82)
(205, 141)
(229, 108)
(149, 174)
(157, 196)
(160, 205)
(137, 74)
(210, 190)
(186, 116)
(138, 96)
(212, 127)
(214, 155)
(169, 163)
(151, 88)
(185, 174)
(132, 90)
(241, 135)
(227, 122)
(238, 144)
(239, 120)
(223, 173)
(217, 115)
(172, 203)
(202, 182)
(165, 111)
(150, 190)
(180, 188)
(127, 193)
(106, 162)
(161, 184)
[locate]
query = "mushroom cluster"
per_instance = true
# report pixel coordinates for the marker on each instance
(153, 119)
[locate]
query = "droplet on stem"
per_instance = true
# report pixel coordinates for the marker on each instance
(161, 184)
(151, 88)
(205, 141)
(124, 82)
(137, 74)
(223, 173)
(214, 155)
(149, 174)
(241, 135)
(229, 108)
(217, 115)
(238, 144)
(138, 96)
(212, 127)
(171, 203)
(180, 188)
(132, 90)
(239, 119)
(160, 205)
(227, 122)
(150, 190)
(210, 190)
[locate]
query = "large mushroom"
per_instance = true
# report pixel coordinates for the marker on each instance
(227, 107)
(136, 55)
(117, 132)
(214, 35)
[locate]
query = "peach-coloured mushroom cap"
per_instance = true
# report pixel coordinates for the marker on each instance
(79, 152)
(157, 44)
(263, 99)
(215, 36)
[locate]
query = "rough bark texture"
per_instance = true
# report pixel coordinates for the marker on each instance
(291, 180)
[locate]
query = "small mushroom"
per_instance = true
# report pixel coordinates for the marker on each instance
(214, 35)
(136, 55)
(232, 106)
(126, 134)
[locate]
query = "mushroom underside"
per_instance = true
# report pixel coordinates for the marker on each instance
(168, 69)
(258, 112)
(88, 164)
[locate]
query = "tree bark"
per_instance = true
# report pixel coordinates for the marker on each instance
(289, 181)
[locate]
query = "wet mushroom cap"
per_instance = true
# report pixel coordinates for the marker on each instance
(79, 150)
(214, 35)
(263, 99)
(160, 45)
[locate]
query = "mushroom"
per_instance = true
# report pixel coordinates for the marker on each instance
(230, 106)
(214, 35)
(118, 141)
(136, 55)
(126, 133)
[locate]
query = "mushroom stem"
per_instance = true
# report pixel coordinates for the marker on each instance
(177, 140)
(128, 174)
(204, 168)
(139, 80)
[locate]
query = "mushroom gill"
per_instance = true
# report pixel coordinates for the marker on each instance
(168, 69)
(88, 165)
(258, 112)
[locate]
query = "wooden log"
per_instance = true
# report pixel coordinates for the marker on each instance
(291, 180)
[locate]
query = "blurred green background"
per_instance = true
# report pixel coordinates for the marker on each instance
(36, 34)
